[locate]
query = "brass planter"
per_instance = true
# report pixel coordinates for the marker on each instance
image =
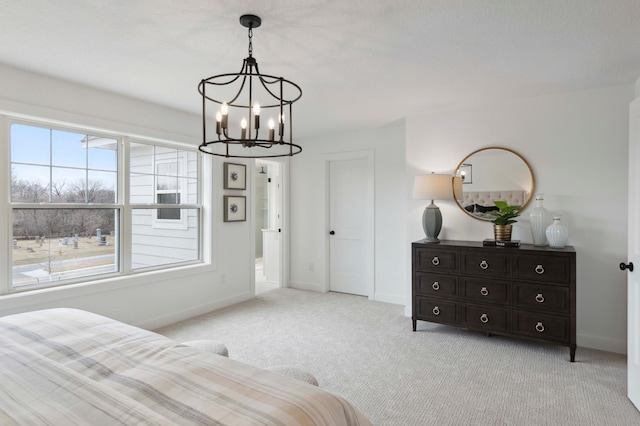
(502, 232)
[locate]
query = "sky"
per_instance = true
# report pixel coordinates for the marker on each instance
(39, 154)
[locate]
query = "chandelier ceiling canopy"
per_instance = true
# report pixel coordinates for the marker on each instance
(241, 103)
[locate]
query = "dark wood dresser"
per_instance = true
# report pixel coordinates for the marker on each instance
(527, 292)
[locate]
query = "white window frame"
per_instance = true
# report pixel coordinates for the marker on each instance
(122, 204)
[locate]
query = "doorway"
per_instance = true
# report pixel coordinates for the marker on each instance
(268, 227)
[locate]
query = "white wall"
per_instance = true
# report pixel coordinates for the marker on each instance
(152, 299)
(577, 146)
(309, 238)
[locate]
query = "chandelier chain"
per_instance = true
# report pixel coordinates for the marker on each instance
(250, 41)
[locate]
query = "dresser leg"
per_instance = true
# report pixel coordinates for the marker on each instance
(572, 351)
(414, 323)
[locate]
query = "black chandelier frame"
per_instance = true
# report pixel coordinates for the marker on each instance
(250, 79)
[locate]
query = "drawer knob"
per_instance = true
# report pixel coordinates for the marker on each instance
(540, 298)
(484, 264)
(484, 318)
(484, 291)
(435, 261)
(539, 270)
(436, 310)
(435, 286)
(539, 327)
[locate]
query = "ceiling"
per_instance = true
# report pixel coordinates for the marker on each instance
(360, 63)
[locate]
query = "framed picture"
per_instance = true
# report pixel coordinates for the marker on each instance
(235, 208)
(235, 176)
(466, 173)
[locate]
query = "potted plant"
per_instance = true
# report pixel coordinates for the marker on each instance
(504, 218)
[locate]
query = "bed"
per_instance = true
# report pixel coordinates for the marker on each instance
(68, 366)
(481, 203)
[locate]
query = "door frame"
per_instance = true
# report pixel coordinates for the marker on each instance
(367, 155)
(633, 296)
(284, 222)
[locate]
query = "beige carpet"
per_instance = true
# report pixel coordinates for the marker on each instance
(366, 351)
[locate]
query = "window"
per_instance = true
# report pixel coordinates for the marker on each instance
(68, 216)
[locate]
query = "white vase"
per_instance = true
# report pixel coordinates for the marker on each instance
(557, 234)
(540, 219)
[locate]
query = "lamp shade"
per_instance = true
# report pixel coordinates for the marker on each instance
(432, 187)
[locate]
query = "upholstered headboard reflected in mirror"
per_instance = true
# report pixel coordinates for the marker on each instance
(492, 174)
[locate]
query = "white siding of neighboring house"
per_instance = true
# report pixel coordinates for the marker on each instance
(162, 241)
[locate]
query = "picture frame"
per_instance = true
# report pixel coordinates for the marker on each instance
(235, 208)
(235, 176)
(466, 170)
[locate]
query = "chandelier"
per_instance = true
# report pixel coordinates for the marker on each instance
(242, 100)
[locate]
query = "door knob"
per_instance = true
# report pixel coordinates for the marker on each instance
(332, 232)
(628, 266)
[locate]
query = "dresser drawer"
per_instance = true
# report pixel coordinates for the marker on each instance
(541, 297)
(485, 290)
(435, 260)
(549, 269)
(542, 326)
(485, 318)
(489, 264)
(435, 310)
(435, 285)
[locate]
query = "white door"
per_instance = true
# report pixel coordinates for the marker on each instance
(633, 283)
(350, 226)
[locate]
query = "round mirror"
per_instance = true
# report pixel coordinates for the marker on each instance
(492, 174)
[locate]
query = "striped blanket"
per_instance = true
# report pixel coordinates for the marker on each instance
(70, 367)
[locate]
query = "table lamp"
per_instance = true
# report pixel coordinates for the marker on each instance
(432, 187)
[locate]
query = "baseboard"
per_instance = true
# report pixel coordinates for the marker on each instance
(601, 344)
(389, 298)
(175, 317)
(407, 311)
(307, 286)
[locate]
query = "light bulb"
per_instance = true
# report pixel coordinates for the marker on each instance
(243, 124)
(224, 108)
(256, 108)
(271, 131)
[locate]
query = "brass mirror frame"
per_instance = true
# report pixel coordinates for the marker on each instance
(464, 160)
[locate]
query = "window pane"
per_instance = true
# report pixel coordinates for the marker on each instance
(169, 214)
(102, 187)
(30, 144)
(29, 184)
(165, 183)
(50, 246)
(141, 156)
(103, 153)
(152, 246)
(67, 185)
(192, 191)
(141, 189)
(68, 149)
